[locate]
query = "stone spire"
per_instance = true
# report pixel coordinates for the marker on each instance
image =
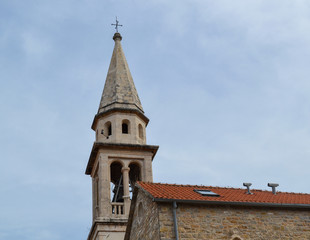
(119, 90)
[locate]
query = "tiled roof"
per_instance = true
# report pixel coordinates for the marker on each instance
(160, 191)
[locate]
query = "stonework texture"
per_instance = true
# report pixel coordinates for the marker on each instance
(219, 222)
(205, 222)
(119, 87)
(145, 225)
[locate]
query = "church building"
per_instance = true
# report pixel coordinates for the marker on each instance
(126, 204)
(188, 212)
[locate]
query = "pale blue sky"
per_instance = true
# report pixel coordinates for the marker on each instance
(225, 85)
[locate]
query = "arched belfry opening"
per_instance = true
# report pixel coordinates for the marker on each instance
(117, 188)
(134, 175)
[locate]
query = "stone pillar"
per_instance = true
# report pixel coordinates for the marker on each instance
(94, 197)
(147, 169)
(125, 171)
(104, 188)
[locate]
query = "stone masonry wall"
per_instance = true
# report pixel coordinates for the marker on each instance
(145, 225)
(218, 222)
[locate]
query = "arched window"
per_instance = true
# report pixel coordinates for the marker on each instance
(110, 130)
(140, 212)
(107, 129)
(125, 126)
(134, 176)
(140, 131)
(236, 238)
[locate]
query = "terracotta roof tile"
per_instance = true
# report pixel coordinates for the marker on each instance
(186, 192)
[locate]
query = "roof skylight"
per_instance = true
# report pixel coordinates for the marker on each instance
(206, 192)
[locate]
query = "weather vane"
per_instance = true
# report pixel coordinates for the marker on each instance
(116, 24)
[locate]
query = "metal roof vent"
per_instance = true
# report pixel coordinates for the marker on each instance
(247, 185)
(273, 186)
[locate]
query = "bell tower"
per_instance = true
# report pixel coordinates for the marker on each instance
(120, 155)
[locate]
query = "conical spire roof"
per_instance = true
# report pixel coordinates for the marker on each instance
(119, 90)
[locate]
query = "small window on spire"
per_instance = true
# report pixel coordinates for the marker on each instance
(107, 131)
(125, 127)
(110, 130)
(140, 131)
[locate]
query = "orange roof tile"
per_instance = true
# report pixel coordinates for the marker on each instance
(236, 195)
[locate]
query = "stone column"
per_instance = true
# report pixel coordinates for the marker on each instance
(94, 197)
(147, 169)
(104, 188)
(125, 171)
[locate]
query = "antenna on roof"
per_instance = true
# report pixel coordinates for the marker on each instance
(273, 186)
(247, 185)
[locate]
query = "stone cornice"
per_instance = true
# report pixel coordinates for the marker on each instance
(117, 146)
(96, 223)
(122, 110)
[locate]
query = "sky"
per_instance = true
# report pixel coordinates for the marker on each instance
(224, 83)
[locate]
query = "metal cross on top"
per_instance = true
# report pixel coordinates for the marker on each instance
(116, 24)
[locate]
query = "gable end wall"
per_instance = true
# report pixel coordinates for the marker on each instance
(145, 224)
